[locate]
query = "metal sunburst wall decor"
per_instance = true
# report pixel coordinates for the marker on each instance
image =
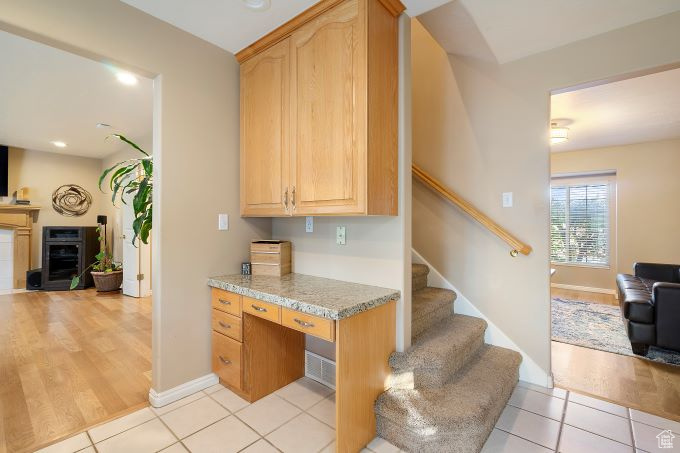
(71, 200)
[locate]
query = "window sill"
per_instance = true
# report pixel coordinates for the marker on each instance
(586, 265)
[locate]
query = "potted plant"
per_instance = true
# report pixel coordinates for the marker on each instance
(107, 274)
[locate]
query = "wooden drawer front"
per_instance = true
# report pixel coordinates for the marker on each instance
(226, 301)
(267, 247)
(265, 258)
(310, 324)
(264, 310)
(226, 324)
(226, 359)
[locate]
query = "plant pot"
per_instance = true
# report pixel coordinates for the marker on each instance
(108, 281)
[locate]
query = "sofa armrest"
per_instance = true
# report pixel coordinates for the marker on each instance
(666, 299)
(658, 272)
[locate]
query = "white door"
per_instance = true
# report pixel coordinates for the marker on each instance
(6, 259)
(136, 259)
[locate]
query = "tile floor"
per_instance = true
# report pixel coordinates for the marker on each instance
(216, 420)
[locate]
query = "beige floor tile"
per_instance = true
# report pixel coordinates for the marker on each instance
(380, 445)
(194, 416)
(303, 434)
(653, 420)
(574, 440)
(178, 403)
(330, 448)
(89, 449)
(229, 399)
(227, 435)
(75, 443)
(538, 403)
(304, 393)
(599, 422)
(502, 442)
(324, 410)
(175, 448)
(214, 388)
(595, 403)
(101, 432)
(527, 425)
(555, 391)
(646, 438)
(267, 414)
(149, 437)
(262, 446)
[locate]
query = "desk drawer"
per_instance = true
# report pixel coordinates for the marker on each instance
(226, 302)
(226, 359)
(310, 324)
(226, 324)
(265, 310)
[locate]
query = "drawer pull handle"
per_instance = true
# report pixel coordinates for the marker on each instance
(303, 323)
(225, 302)
(224, 325)
(225, 361)
(260, 309)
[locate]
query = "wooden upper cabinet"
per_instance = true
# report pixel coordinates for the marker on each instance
(328, 139)
(265, 131)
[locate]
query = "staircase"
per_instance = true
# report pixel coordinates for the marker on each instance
(450, 387)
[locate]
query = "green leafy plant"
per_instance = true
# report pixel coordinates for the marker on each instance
(103, 262)
(133, 177)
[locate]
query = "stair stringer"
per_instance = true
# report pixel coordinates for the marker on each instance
(529, 371)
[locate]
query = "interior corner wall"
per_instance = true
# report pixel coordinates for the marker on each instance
(196, 133)
(481, 128)
(43, 172)
(648, 216)
(377, 250)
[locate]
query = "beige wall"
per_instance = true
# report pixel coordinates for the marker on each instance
(648, 214)
(196, 151)
(42, 172)
(482, 129)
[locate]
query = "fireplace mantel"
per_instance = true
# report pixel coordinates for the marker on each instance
(20, 219)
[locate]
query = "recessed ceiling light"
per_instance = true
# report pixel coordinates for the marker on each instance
(102, 125)
(59, 144)
(257, 5)
(126, 78)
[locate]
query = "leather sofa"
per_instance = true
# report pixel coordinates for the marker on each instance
(650, 306)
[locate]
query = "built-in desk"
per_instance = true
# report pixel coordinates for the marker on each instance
(258, 336)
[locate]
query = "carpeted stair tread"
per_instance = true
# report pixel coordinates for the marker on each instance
(439, 352)
(429, 306)
(419, 276)
(456, 417)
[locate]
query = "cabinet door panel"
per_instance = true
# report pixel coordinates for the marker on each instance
(328, 113)
(265, 114)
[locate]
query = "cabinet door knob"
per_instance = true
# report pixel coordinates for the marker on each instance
(303, 323)
(260, 309)
(293, 198)
(285, 198)
(225, 361)
(225, 302)
(224, 325)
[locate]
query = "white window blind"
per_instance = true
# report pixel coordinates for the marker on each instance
(579, 224)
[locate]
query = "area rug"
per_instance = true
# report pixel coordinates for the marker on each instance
(598, 326)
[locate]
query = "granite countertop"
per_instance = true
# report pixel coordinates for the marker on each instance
(324, 297)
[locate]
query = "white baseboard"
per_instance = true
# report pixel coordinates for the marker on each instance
(160, 399)
(529, 371)
(587, 289)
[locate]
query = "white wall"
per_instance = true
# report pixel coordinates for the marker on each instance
(482, 129)
(196, 130)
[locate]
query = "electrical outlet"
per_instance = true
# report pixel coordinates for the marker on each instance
(340, 235)
(309, 224)
(223, 222)
(507, 199)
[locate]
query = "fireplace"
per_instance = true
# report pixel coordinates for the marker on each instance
(67, 252)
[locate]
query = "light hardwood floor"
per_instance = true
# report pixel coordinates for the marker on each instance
(69, 360)
(629, 381)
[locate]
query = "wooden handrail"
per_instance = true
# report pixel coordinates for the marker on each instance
(517, 245)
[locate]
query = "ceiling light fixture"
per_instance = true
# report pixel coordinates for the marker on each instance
(126, 78)
(59, 144)
(257, 5)
(102, 125)
(558, 134)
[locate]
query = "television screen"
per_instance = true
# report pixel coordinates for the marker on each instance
(4, 171)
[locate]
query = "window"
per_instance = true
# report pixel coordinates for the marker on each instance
(579, 224)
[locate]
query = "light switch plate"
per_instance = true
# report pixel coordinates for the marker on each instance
(223, 222)
(340, 235)
(309, 224)
(507, 199)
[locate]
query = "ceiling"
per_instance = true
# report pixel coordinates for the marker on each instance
(507, 30)
(47, 94)
(229, 24)
(635, 110)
